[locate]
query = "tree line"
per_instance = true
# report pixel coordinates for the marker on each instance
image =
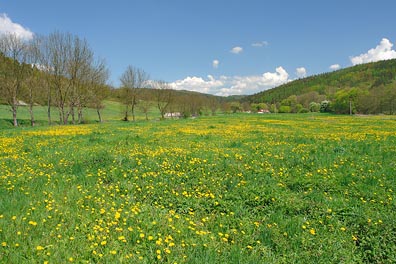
(61, 72)
(58, 70)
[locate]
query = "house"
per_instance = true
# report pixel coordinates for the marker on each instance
(173, 115)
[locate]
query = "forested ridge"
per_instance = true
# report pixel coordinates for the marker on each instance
(365, 88)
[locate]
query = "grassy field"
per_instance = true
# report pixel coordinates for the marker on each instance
(225, 189)
(113, 111)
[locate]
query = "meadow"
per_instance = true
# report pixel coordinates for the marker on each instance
(225, 189)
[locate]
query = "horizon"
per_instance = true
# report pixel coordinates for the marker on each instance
(223, 48)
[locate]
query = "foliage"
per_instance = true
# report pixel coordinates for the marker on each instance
(374, 85)
(226, 189)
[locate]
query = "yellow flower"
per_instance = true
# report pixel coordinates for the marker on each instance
(33, 223)
(4, 244)
(312, 231)
(117, 215)
(39, 248)
(113, 252)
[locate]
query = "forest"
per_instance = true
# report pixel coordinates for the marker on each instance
(362, 89)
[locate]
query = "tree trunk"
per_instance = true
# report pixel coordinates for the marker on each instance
(99, 115)
(133, 112)
(32, 122)
(126, 114)
(72, 114)
(80, 115)
(49, 109)
(14, 115)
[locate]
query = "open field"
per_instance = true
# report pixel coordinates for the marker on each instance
(226, 189)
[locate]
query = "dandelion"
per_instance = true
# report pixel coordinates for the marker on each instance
(39, 248)
(113, 252)
(312, 231)
(4, 244)
(33, 223)
(117, 215)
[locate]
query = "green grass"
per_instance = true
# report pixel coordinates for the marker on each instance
(225, 189)
(113, 111)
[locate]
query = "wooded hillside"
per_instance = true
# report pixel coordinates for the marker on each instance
(366, 88)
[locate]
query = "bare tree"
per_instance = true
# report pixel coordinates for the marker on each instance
(34, 77)
(163, 96)
(98, 90)
(132, 80)
(146, 104)
(68, 60)
(14, 52)
(55, 58)
(79, 68)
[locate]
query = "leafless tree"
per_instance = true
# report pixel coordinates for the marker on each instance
(132, 80)
(32, 85)
(146, 103)
(79, 69)
(163, 96)
(14, 53)
(68, 60)
(98, 89)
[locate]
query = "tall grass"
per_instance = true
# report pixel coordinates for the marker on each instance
(225, 189)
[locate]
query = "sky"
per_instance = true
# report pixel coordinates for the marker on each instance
(221, 47)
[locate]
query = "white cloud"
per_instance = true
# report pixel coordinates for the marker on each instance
(334, 67)
(233, 85)
(7, 26)
(236, 50)
(383, 51)
(260, 44)
(197, 84)
(301, 72)
(215, 64)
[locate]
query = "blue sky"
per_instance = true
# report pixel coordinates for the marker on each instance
(219, 47)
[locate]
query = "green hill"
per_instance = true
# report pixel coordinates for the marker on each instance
(369, 88)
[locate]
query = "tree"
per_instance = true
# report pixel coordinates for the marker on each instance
(314, 107)
(98, 90)
(55, 52)
(163, 96)
(14, 54)
(33, 91)
(79, 71)
(235, 107)
(132, 80)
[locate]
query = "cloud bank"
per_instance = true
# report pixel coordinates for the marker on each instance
(234, 85)
(236, 50)
(383, 51)
(7, 26)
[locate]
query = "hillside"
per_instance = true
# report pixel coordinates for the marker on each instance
(371, 87)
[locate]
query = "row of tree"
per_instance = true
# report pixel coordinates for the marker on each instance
(58, 70)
